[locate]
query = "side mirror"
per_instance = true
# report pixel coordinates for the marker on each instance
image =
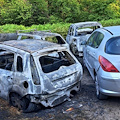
(84, 43)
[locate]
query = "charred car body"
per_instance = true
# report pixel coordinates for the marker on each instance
(37, 72)
(44, 35)
(79, 33)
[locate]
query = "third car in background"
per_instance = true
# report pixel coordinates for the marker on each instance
(78, 33)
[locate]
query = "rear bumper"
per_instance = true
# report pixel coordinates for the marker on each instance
(110, 93)
(57, 97)
(109, 83)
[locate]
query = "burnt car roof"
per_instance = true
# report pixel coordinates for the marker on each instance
(40, 33)
(87, 24)
(30, 45)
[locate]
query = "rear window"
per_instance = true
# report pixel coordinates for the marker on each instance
(55, 39)
(113, 46)
(53, 61)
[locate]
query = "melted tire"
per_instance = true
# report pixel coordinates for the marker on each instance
(32, 108)
(17, 101)
(73, 48)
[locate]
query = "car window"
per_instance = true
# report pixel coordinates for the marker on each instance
(71, 31)
(55, 39)
(34, 72)
(53, 61)
(19, 64)
(6, 60)
(91, 39)
(113, 46)
(98, 40)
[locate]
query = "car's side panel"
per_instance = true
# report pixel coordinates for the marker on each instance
(6, 82)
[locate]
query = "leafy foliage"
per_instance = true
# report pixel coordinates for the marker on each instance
(39, 11)
(15, 11)
(29, 12)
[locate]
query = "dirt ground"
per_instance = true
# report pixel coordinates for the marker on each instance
(83, 106)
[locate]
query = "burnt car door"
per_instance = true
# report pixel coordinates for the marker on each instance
(6, 72)
(20, 75)
(70, 34)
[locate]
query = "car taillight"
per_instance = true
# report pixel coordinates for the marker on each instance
(107, 65)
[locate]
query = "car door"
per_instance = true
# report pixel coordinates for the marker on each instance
(93, 50)
(21, 74)
(70, 35)
(88, 52)
(6, 72)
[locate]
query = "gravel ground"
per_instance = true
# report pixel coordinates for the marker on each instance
(83, 106)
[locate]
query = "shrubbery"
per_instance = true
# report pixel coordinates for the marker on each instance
(28, 12)
(61, 28)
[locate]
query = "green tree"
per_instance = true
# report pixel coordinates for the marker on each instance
(94, 9)
(114, 9)
(15, 11)
(39, 11)
(64, 10)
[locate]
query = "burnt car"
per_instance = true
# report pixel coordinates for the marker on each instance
(79, 33)
(35, 73)
(44, 35)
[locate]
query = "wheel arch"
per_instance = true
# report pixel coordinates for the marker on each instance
(16, 89)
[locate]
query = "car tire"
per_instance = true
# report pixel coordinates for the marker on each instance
(99, 95)
(23, 103)
(73, 48)
(17, 101)
(32, 108)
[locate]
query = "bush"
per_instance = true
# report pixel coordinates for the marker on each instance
(29, 12)
(61, 28)
(39, 12)
(15, 12)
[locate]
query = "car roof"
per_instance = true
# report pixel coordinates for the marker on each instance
(39, 33)
(30, 45)
(114, 30)
(43, 33)
(87, 24)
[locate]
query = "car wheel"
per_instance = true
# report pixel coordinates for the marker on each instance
(100, 96)
(17, 101)
(32, 108)
(73, 48)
